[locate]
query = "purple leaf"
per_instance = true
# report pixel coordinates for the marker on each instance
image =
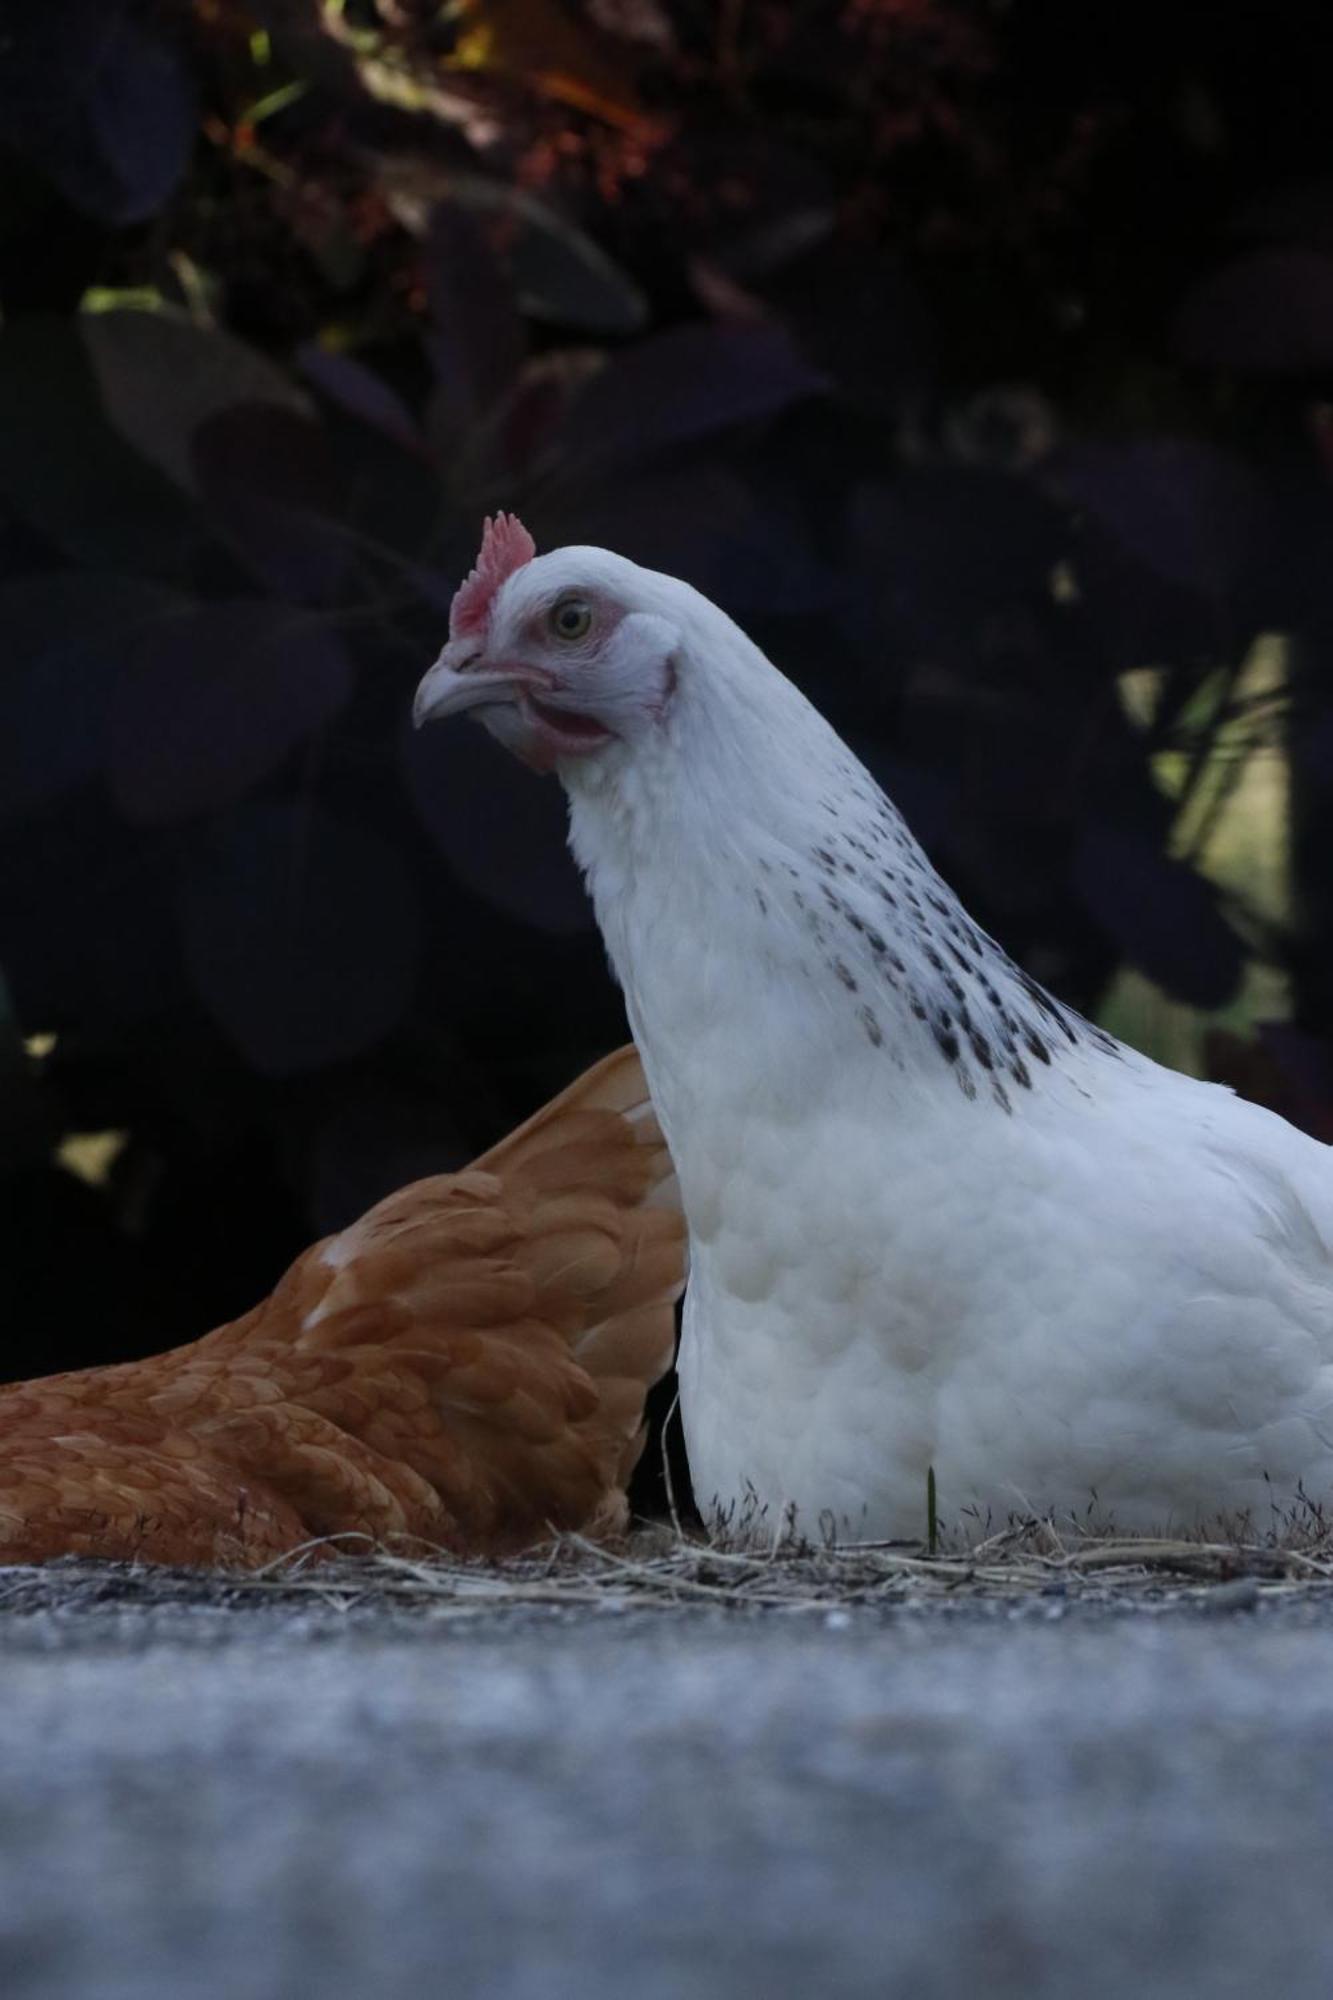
(361, 393)
(561, 275)
(64, 471)
(302, 935)
(532, 419)
(215, 700)
(557, 272)
(1163, 917)
(68, 637)
(1271, 313)
(859, 320)
(939, 553)
(376, 1140)
(103, 106)
(1307, 1059)
(702, 523)
(89, 931)
(501, 829)
(1186, 510)
(437, 589)
(686, 385)
(141, 113)
(1311, 746)
(161, 377)
(930, 800)
(272, 486)
(477, 338)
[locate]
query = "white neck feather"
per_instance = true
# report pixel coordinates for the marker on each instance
(753, 882)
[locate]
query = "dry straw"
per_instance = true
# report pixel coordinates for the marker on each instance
(664, 1567)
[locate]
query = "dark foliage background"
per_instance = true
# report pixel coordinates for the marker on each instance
(975, 356)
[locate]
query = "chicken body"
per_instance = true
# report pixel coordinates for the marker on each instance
(465, 1367)
(936, 1219)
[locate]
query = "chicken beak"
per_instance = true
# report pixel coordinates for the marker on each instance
(450, 686)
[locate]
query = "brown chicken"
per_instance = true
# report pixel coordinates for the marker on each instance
(465, 1367)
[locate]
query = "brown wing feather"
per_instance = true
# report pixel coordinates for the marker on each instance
(466, 1365)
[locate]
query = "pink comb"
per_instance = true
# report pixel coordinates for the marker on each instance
(505, 546)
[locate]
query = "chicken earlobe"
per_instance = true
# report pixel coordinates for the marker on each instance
(464, 1367)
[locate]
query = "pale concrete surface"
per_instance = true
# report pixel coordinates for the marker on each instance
(200, 1800)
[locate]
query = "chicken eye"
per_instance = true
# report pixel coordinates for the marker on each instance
(571, 617)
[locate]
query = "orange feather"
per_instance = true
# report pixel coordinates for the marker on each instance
(465, 1366)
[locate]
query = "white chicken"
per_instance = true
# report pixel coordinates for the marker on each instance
(936, 1218)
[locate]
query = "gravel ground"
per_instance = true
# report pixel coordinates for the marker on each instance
(1052, 1795)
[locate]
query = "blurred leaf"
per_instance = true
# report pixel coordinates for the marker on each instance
(89, 934)
(65, 472)
(1129, 613)
(271, 483)
(501, 831)
(1294, 212)
(161, 377)
(637, 21)
(561, 275)
(685, 385)
(389, 499)
(859, 319)
(477, 339)
(1271, 313)
(1310, 743)
(26, 1129)
(780, 202)
(553, 52)
(558, 272)
(361, 393)
(930, 800)
(529, 435)
(436, 589)
(67, 639)
(702, 523)
(1162, 916)
(1307, 1062)
(942, 552)
(141, 112)
(99, 102)
(303, 935)
(1189, 511)
(1008, 426)
(215, 700)
(375, 1141)
(1285, 1069)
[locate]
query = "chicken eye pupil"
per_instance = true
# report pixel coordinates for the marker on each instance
(572, 618)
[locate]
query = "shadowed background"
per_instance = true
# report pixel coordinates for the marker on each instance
(977, 358)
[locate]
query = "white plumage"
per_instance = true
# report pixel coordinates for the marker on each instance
(936, 1218)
